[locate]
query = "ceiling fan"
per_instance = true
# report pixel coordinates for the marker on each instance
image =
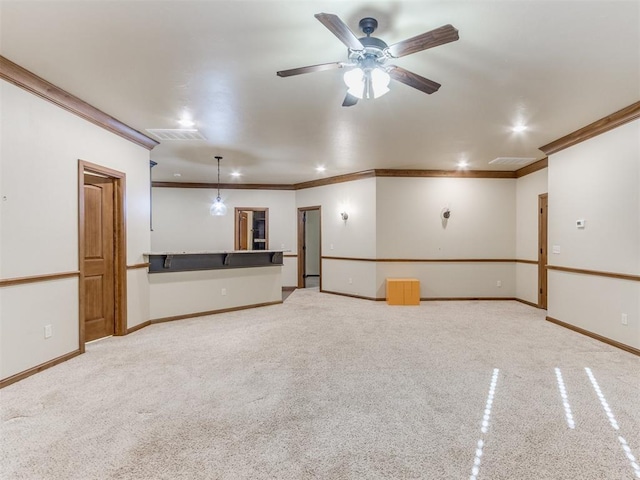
(369, 74)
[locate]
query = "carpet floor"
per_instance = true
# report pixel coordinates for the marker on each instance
(330, 387)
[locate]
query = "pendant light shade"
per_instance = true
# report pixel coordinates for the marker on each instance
(218, 208)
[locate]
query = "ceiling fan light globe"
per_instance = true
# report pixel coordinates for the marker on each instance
(380, 80)
(378, 92)
(357, 92)
(357, 80)
(354, 79)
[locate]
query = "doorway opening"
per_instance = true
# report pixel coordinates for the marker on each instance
(309, 248)
(101, 253)
(543, 207)
(251, 228)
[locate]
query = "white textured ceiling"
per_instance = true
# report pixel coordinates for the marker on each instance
(555, 65)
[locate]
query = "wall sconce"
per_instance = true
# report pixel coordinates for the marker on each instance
(344, 216)
(445, 214)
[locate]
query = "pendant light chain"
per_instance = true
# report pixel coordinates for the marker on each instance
(218, 158)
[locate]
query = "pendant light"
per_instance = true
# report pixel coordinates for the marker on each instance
(218, 208)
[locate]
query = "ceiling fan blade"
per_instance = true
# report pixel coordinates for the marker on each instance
(349, 100)
(439, 36)
(413, 80)
(309, 69)
(340, 30)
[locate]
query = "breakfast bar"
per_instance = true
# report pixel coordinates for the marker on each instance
(188, 284)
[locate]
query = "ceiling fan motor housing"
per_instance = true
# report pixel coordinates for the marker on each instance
(373, 43)
(368, 25)
(374, 48)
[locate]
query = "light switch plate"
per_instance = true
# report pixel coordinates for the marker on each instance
(556, 249)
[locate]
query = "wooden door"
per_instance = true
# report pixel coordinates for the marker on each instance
(243, 232)
(99, 277)
(543, 206)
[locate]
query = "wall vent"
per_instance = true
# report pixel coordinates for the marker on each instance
(176, 133)
(511, 161)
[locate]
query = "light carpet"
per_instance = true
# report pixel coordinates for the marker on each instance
(331, 387)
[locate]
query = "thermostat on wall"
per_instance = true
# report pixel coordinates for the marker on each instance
(580, 223)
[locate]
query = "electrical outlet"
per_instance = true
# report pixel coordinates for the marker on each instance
(223, 292)
(331, 247)
(499, 283)
(282, 246)
(48, 331)
(624, 319)
(350, 281)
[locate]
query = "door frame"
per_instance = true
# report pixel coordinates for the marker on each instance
(301, 250)
(543, 249)
(236, 225)
(120, 247)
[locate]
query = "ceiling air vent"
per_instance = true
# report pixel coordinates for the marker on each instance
(176, 133)
(511, 161)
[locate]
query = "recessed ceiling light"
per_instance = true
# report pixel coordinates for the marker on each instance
(463, 164)
(236, 174)
(320, 169)
(518, 128)
(186, 123)
(177, 174)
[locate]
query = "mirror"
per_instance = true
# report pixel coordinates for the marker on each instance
(251, 228)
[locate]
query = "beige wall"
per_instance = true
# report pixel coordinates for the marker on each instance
(40, 148)
(528, 189)
(482, 223)
(184, 293)
(598, 181)
(177, 211)
(481, 226)
(354, 238)
(397, 218)
(357, 236)
(181, 221)
(453, 279)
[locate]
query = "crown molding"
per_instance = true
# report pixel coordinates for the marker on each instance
(626, 115)
(532, 168)
(225, 186)
(445, 173)
(350, 177)
(23, 78)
